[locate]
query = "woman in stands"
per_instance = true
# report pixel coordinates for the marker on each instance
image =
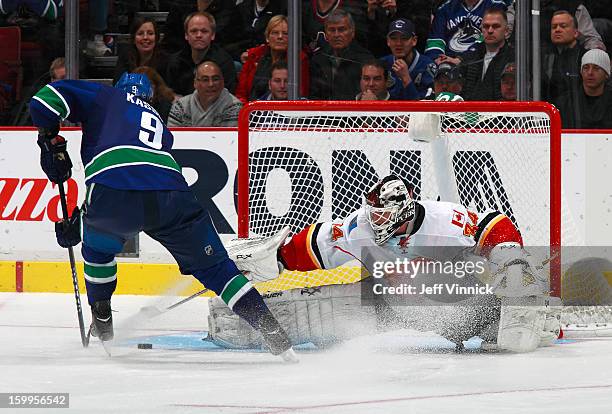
(143, 49)
(253, 79)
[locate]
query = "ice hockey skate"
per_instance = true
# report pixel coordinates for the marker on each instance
(102, 321)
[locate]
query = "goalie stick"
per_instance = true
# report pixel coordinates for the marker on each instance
(153, 311)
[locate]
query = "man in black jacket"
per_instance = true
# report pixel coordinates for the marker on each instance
(199, 33)
(591, 107)
(482, 65)
(561, 62)
(335, 69)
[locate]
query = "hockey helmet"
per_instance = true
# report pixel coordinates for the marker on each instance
(388, 205)
(137, 84)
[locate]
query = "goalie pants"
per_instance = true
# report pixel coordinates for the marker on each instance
(174, 218)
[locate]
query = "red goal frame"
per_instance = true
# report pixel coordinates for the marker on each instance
(414, 106)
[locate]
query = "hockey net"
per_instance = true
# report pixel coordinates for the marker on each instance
(306, 162)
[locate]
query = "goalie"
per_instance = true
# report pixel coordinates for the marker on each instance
(391, 222)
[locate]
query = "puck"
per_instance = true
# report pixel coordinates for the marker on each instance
(145, 346)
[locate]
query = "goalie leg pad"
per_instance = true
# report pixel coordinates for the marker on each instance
(321, 315)
(521, 324)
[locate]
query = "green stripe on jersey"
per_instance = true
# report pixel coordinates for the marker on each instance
(53, 100)
(435, 44)
(125, 156)
(235, 289)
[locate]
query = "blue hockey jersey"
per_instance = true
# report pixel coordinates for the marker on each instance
(456, 27)
(421, 71)
(125, 144)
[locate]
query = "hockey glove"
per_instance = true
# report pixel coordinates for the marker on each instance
(54, 158)
(68, 232)
(257, 257)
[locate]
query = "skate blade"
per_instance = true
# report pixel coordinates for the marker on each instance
(107, 347)
(289, 356)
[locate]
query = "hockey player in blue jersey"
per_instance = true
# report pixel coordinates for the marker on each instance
(133, 185)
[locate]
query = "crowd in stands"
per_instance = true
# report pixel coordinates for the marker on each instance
(207, 58)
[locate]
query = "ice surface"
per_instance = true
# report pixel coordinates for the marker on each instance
(40, 351)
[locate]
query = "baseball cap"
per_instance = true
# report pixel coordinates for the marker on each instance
(449, 70)
(597, 57)
(403, 26)
(509, 69)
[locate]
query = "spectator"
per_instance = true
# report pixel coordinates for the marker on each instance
(253, 80)
(561, 61)
(199, 33)
(411, 73)
(335, 70)
(277, 85)
(373, 82)
(254, 16)
(588, 37)
(226, 17)
(163, 96)
(370, 20)
(592, 106)
(602, 19)
(57, 70)
(210, 105)
(143, 50)
(456, 27)
(483, 64)
(508, 82)
(448, 79)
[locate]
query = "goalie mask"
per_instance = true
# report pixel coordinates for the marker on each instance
(388, 205)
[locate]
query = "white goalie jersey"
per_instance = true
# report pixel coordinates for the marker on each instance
(329, 245)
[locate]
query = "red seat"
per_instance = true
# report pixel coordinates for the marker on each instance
(11, 72)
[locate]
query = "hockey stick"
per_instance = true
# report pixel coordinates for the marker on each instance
(75, 281)
(154, 311)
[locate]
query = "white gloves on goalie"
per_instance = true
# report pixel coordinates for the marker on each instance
(515, 272)
(256, 257)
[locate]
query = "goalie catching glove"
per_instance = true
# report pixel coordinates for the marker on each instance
(257, 257)
(515, 273)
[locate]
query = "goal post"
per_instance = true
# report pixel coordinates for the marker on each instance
(301, 162)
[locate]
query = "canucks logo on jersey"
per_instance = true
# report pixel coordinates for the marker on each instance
(125, 144)
(456, 27)
(466, 35)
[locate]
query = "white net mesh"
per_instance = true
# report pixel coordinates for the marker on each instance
(306, 168)
(312, 166)
(586, 288)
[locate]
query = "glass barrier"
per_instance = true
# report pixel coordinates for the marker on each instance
(398, 50)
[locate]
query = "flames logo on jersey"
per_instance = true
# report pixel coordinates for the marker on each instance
(471, 227)
(337, 232)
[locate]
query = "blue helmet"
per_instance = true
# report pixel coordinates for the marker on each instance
(137, 84)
